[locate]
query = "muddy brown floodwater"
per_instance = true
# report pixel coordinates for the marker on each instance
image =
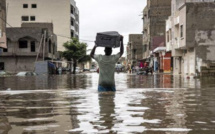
(153, 104)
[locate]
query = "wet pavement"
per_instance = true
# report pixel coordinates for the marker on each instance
(153, 104)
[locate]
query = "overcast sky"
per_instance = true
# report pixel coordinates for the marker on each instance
(123, 16)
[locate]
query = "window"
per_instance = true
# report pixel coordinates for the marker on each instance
(53, 48)
(25, 18)
(72, 34)
(32, 46)
(181, 29)
(23, 44)
(1, 65)
(25, 5)
(5, 50)
(72, 22)
(50, 46)
(33, 18)
(33, 5)
(72, 9)
(167, 35)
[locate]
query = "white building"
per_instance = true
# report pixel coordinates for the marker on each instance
(64, 15)
(190, 36)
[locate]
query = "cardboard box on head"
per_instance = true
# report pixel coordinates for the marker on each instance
(108, 39)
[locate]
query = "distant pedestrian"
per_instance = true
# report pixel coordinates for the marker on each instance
(137, 68)
(145, 65)
(129, 68)
(60, 70)
(141, 65)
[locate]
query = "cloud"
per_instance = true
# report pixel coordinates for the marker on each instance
(123, 16)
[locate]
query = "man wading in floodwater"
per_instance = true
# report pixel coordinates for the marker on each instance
(107, 64)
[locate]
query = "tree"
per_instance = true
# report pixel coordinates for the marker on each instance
(74, 51)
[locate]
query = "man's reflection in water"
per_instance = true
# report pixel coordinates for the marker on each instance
(107, 113)
(4, 123)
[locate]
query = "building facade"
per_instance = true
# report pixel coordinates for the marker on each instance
(64, 15)
(154, 15)
(134, 48)
(190, 36)
(26, 45)
(2, 25)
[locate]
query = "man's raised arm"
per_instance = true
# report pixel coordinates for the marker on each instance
(121, 46)
(93, 51)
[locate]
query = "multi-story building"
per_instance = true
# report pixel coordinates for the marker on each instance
(27, 44)
(2, 24)
(64, 15)
(134, 48)
(190, 36)
(154, 15)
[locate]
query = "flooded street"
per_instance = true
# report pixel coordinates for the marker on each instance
(153, 104)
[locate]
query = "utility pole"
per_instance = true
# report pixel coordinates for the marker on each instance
(44, 45)
(41, 40)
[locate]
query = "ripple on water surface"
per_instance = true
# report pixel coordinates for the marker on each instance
(129, 110)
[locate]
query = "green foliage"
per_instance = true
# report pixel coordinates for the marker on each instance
(84, 59)
(74, 49)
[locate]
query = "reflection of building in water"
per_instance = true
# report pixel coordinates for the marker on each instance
(165, 81)
(4, 123)
(73, 81)
(17, 83)
(175, 109)
(46, 82)
(200, 109)
(184, 82)
(29, 82)
(30, 112)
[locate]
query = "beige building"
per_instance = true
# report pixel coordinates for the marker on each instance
(134, 48)
(2, 24)
(64, 15)
(190, 36)
(26, 45)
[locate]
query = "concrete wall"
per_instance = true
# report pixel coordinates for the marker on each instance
(22, 59)
(3, 24)
(16, 64)
(41, 67)
(13, 47)
(136, 49)
(201, 32)
(155, 14)
(197, 46)
(53, 11)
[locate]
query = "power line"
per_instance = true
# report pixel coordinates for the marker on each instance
(56, 34)
(5, 21)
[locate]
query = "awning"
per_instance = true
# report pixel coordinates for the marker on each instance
(159, 49)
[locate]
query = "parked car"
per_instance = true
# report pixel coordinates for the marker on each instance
(118, 67)
(86, 69)
(78, 70)
(26, 74)
(93, 70)
(3, 73)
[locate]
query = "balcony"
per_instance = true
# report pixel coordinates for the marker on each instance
(169, 46)
(176, 20)
(168, 24)
(72, 28)
(19, 54)
(176, 43)
(146, 23)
